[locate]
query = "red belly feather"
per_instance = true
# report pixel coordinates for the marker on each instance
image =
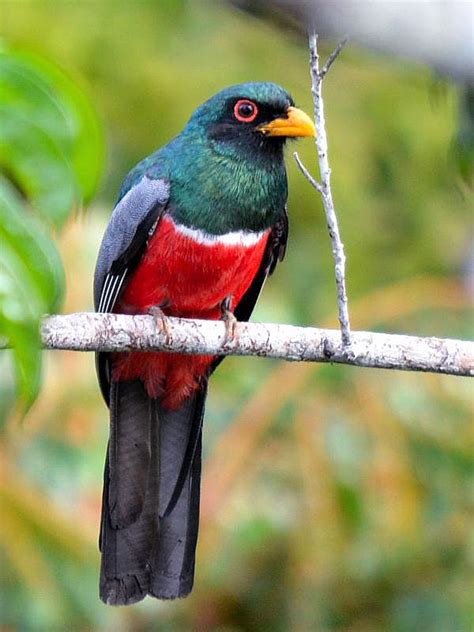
(191, 280)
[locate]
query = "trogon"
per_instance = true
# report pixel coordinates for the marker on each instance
(198, 227)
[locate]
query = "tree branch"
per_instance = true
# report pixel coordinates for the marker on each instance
(117, 332)
(324, 188)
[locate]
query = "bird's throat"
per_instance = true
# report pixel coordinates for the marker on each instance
(224, 194)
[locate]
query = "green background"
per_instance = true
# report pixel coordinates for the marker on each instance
(334, 498)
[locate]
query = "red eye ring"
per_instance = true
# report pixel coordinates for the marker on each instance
(245, 111)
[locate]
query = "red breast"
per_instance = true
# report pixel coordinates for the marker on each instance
(189, 273)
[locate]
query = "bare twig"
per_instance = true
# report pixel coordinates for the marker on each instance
(117, 332)
(332, 58)
(307, 174)
(317, 76)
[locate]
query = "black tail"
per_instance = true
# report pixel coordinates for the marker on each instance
(150, 504)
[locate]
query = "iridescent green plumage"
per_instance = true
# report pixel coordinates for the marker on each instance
(224, 177)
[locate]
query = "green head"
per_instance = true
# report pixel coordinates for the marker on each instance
(226, 168)
(250, 119)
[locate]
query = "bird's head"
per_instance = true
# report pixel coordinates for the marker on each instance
(251, 116)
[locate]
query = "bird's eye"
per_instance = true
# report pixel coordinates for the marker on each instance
(245, 111)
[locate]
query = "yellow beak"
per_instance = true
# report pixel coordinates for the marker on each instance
(296, 124)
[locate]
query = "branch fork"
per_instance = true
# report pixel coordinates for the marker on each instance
(324, 187)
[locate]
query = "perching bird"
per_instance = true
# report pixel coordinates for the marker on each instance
(198, 227)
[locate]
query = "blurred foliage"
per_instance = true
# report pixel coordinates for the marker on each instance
(333, 498)
(50, 158)
(465, 136)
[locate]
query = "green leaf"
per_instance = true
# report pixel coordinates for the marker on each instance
(51, 153)
(25, 238)
(31, 284)
(84, 131)
(51, 143)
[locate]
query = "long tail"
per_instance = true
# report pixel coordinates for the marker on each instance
(150, 504)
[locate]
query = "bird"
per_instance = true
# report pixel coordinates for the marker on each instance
(198, 227)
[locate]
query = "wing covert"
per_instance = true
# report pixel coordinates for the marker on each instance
(133, 221)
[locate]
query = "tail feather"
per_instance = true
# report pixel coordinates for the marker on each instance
(173, 561)
(150, 507)
(129, 452)
(130, 499)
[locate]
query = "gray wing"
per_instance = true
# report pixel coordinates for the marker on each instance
(133, 221)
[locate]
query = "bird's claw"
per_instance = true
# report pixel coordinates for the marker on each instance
(230, 322)
(161, 320)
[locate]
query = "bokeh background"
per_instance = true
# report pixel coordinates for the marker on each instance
(333, 498)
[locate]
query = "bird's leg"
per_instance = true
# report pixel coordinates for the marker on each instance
(161, 319)
(230, 321)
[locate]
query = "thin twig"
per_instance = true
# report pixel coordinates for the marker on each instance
(332, 58)
(118, 332)
(307, 174)
(317, 76)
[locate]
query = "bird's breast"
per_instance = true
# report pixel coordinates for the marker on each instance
(190, 271)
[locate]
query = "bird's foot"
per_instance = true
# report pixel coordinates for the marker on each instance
(230, 321)
(161, 320)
